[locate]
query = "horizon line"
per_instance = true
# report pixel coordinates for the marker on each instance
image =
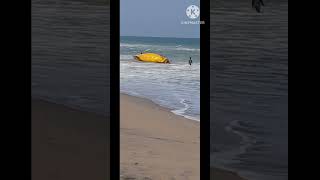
(160, 37)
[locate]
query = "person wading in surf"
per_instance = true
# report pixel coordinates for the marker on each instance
(190, 61)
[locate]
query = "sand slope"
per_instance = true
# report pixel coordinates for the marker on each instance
(155, 143)
(218, 174)
(68, 144)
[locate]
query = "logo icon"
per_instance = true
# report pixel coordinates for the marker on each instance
(193, 11)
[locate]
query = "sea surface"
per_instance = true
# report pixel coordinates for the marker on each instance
(249, 88)
(249, 74)
(176, 85)
(71, 53)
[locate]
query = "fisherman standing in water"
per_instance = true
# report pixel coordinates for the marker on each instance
(190, 61)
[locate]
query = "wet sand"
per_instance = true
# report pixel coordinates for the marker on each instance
(68, 143)
(155, 143)
(218, 174)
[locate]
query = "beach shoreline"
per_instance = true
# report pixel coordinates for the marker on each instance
(153, 143)
(175, 85)
(221, 174)
(174, 111)
(63, 138)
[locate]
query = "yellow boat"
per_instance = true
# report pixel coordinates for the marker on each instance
(151, 57)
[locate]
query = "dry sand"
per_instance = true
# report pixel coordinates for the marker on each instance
(68, 144)
(157, 144)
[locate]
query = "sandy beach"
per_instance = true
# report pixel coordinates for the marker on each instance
(155, 143)
(68, 143)
(218, 174)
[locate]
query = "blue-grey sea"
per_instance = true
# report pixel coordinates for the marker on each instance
(176, 85)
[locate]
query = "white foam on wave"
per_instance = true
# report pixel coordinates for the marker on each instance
(133, 45)
(182, 111)
(187, 49)
(230, 156)
(148, 47)
(126, 57)
(175, 86)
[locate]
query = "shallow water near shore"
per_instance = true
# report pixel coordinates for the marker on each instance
(70, 53)
(249, 89)
(176, 85)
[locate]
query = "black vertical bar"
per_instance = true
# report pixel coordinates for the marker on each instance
(205, 90)
(29, 88)
(114, 90)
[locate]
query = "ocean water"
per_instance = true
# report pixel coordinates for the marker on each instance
(249, 88)
(71, 53)
(176, 85)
